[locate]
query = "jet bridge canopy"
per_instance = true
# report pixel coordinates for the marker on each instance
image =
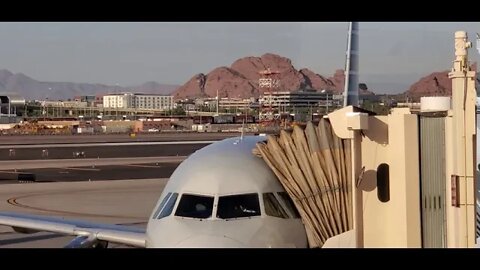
(314, 166)
(12, 98)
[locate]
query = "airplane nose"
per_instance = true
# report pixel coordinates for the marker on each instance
(210, 241)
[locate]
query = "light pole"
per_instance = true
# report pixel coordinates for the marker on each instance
(117, 99)
(45, 106)
(217, 101)
(311, 111)
(327, 102)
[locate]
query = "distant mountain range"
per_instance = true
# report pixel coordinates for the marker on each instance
(238, 80)
(33, 89)
(241, 79)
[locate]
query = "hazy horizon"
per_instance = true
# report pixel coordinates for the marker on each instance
(392, 55)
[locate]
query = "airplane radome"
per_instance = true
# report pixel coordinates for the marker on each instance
(224, 196)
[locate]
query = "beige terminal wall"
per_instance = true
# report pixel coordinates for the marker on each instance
(460, 221)
(393, 140)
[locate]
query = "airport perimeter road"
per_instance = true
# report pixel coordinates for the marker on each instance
(141, 137)
(100, 150)
(128, 202)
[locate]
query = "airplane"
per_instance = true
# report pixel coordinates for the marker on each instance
(220, 196)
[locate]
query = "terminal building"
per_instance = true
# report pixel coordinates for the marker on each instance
(138, 101)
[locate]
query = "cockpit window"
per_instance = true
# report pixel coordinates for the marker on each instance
(238, 206)
(289, 204)
(195, 206)
(166, 206)
(167, 210)
(273, 207)
(162, 204)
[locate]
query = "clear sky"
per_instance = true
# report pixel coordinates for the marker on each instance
(392, 55)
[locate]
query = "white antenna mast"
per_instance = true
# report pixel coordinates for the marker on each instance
(351, 67)
(478, 43)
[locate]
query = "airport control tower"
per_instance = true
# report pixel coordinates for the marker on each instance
(267, 84)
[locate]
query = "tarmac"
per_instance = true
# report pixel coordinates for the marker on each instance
(58, 172)
(73, 178)
(127, 202)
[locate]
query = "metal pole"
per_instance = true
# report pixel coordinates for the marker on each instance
(327, 103)
(311, 112)
(218, 98)
(357, 192)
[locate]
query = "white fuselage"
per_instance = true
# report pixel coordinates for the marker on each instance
(224, 196)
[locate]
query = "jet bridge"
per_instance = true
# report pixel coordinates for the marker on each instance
(398, 180)
(10, 103)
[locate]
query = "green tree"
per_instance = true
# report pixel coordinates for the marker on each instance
(176, 111)
(375, 107)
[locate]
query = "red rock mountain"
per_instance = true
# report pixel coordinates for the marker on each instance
(435, 84)
(241, 79)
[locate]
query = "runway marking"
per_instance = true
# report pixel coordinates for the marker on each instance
(13, 201)
(12, 172)
(80, 169)
(55, 163)
(143, 166)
